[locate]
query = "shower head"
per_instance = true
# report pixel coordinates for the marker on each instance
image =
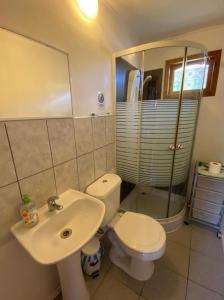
(148, 78)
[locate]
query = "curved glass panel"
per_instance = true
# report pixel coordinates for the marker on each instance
(195, 76)
(157, 101)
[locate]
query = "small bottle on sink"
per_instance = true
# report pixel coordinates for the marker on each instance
(28, 212)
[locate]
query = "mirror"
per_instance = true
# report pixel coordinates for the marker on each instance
(34, 79)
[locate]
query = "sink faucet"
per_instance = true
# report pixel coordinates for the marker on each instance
(52, 205)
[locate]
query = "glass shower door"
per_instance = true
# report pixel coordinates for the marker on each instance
(159, 117)
(193, 82)
(128, 125)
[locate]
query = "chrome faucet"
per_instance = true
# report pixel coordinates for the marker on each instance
(52, 205)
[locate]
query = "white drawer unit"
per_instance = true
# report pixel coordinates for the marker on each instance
(207, 199)
(212, 184)
(207, 206)
(206, 216)
(211, 196)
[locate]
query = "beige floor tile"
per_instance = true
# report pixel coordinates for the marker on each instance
(204, 240)
(207, 271)
(181, 236)
(112, 289)
(165, 285)
(176, 258)
(197, 292)
(124, 278)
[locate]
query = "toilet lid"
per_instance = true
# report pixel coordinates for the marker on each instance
(140, 232)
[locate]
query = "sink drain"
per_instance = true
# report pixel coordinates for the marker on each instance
(67, 232)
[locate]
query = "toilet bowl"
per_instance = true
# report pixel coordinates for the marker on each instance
(137, 240)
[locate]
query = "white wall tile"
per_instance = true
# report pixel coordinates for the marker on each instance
(99, 131)
(30, 146)
(85, 170)
(7, 173)
(40, 187)
(111, 156)
(10, 202)
(110, 129)
(66, 176)
(62, 140)
(83, 135)
(100, 162)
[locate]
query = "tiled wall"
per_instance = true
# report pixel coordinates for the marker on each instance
(46, 157)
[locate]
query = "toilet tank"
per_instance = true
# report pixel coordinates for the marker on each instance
(107, 188)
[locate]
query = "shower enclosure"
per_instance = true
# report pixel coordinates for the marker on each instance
(158, 89)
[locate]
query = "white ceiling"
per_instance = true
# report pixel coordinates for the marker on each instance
(154, 19)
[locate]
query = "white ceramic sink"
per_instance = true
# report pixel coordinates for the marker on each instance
(81, 217)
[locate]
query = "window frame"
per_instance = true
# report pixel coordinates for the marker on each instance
(213, 61)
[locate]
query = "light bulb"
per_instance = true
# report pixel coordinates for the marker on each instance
(88, 7)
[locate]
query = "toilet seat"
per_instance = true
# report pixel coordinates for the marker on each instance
(142, 235)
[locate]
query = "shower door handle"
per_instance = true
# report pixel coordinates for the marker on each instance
(180, 146)
(171, 147)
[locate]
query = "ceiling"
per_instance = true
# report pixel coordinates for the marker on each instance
(154, 19)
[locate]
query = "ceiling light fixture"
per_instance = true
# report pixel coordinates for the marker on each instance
(88, 7)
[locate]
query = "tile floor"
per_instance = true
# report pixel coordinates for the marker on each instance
(191, 269)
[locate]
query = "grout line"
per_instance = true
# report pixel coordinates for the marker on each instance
(209, 257)
(141, 292)
(176, 242)
(101, 282)
(49, 142)
(75, 146)
(64, 162)
(206, 288)
(80, 188)
(92, 132)
(26, 177)
(10, 183)
(105, 123)
(164, 266)
(33, 119)
(13, 159)
(70, 84)
(189, 261)
(95, 149)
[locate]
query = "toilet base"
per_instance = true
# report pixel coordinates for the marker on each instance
(136, 268)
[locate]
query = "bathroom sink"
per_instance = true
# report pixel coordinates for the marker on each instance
(61, 233)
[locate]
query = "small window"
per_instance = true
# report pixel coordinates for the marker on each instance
(194, 74)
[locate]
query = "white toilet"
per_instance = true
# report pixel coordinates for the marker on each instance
(137, 239)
